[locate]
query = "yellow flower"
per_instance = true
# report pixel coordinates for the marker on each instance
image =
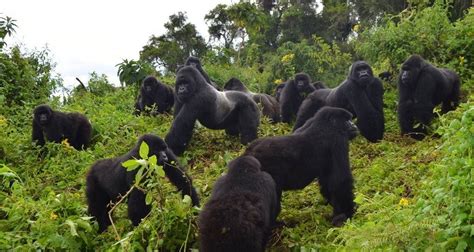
(403, 202)
(53, 216)
(461, 60)
(66, 144)
(3, 121)
(287, 58)
(278, 81)
(356, 27)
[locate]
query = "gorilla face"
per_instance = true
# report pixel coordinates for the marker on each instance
(149, 84)
(43, 114)
(337, 119)
(410, 69)
(157, 147)
(302, 83)
(361, 73)
(184, 87)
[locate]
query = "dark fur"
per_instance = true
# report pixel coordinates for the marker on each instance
(154, 93)
(362, 96)
(319, 149)
(58, 126)
(385, 76)
(421, 88)
(270, 106)
(293, 95)
(241, 211)
(230, 110)
(196, 62)
(278, 90)
(107, 179)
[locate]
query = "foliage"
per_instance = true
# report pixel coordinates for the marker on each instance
(427, 32)
(7, 28)
(221, 27)
(26, 77)
(320, 60)
(132, 72)
(171, 49)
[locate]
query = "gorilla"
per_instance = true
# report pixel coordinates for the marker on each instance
(241, 211)
(107, 180)
(385, 76)
(196, 62)
(270, 106)
(56, 126)
(293, 95)
(319, 149)
(361, 94)
(196, 100)
(278, 90)
(422, 87)
(154, 93)
(319, 85)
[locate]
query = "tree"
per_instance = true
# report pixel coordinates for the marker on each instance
(221, 26)
(132, 72)
(179, 42)
(7, 27)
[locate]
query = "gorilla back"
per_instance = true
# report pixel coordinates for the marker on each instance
(241, 211)
(196, 100)
(319, 149)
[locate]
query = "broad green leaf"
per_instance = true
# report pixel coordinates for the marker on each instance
(72, 227)
(148, 198)
(152, 160)
(131, 164)
(139, 175)
(160, 171)
(144, 150)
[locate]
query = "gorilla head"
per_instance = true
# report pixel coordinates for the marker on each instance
(187, 84)
(43, 115)
(278, 90)
(193, 61)
(149, 85)
(303, 83)
(361, 73)
(235, 84)
(411, 69)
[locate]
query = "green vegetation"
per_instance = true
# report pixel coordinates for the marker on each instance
(411, 195)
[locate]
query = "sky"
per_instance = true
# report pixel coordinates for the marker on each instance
(95, 35)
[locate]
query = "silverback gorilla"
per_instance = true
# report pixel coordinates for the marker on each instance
(56, 126)
(270, 106)
(241, 211)
(293, 94)
(361, 94)
(196, 100)
(154, 93)
(319, 149)
(107, 179)
(422, 87)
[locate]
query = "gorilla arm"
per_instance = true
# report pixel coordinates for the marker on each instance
(423, 98)
(38, 134)
(182, 129)
(179, 178)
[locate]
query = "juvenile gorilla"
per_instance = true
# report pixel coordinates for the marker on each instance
(319, 149)
(56, 126)
(241, 211)
(107, 179)
(361, 94)
(196, 62)
(154, 93)
(317, 85)
(270, 106)
(196, 100)
(422, 87)
(293, 94)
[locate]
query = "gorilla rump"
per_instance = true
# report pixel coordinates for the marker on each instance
(196, 62)
(156, 95)
(107, 179)
(270, 106)
(319, 149)
(56, 126)
(293, 95)
(241, 211)
(421, 88)
(196, 100)
(361, 94)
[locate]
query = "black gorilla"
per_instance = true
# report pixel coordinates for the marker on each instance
(361, 94)
(319, 149)
(319, 85)
(56, 126)
(196, 62)
(293, 95)
(230, 110)
(107, 179)
(241, 211)
(278, 90)
(386, 76)
(422, 87)
(270, 106)
(154, 93)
